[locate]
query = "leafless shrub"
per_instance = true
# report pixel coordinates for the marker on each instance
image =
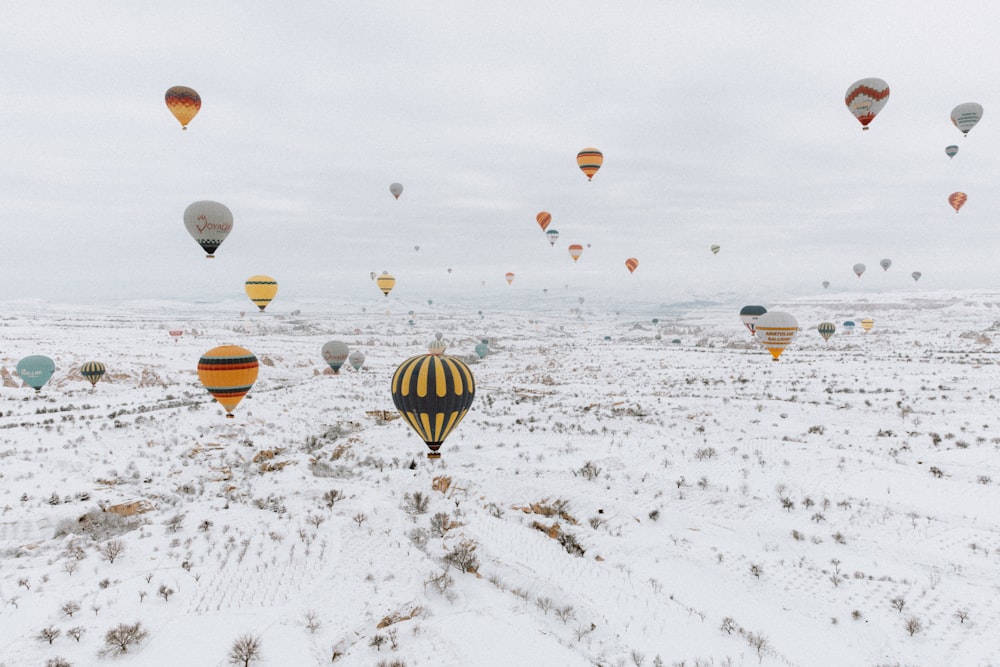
(589, 471)
(705, 453)
(165, 592)
(123, 636)
(245, 649)
(315, 520)
(312, 621)
(637, 658)
(442, 582)
(463, 556)
(419, 537)
(440, 523)
(377, 641)
(175, 522)
(360, 518)
(565, 614)
(112, 549)
(48, 634)
(962, 615)
(416, 503)
(913, 625)
(729, 625)
(898, 603)
(58, 662)
(544, 603)
(331, 497)
(75, 632)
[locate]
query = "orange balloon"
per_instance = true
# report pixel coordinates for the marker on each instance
(543, 218)
(957, 200)
(589, 160)
(631, 264)
(575, 250)
(510, 278)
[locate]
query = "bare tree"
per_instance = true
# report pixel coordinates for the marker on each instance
(48, 634)
(913, 625)
(120, 638)
(58, 662)
(332, 496)
(312, 621)
(70, 608)
(463, 556)
(112, 549)
(898, 603)
(75, 632)
(244, 649)
(962, 615)
(165, 592)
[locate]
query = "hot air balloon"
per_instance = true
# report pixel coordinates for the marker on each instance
(656, 320)
(209, 223)
(385, 282)
(865, 98)
(92, 371)
(228, 372)
(848, 326)
(631, 264)
(859, 268)
(867, 324)
(575, 250)
(715, 249)
(951, 151)
(176, 334)
(417, 248)
(552, 235)
(430, 302)
(482, 349)
(775, 330)
(335, 353)
(184, 103)
(826, 329)
(396, 189)
(543, 218)
(916, 276)
(433, 393)
(957, 200)
(372, 275)
(261, 290)
(826, 283)
(357, 359)
(749, 316)
(35, 371)
(885, 264)
(589, 160)
(510, 277)
(965, 116)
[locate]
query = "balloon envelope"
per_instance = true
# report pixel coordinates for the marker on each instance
(228, 372)
(589, 160)
(433, 393)
(357, 359)
(184, 103)
(715, 249)
(631, 264)
(826, 283)
(209, 223)
(385, 282)
(261, 290)
(826, 329)
(749, 316)
(575, 250)
(552, 235)
(510, 278)
(916, 276)
(482, 349)
(957, 200)
(543, 218)
(867, 324)
(335, 353)
(885, 264)
(775, 330)
(36, 370)
(865, 98)
(951, 151)
(859, 269)
(965, 116)
(92, 372)
(396, 189)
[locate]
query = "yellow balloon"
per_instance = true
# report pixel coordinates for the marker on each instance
(385, 282)
(261, 290)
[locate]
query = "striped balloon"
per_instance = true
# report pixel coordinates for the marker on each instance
(543, 218)
(509, 277)
(433, 393)
(575, 250)
(184, 103)
(385, 282)
(589, 160)
(228, 372)
(552, 235)
(957, 200)
(92, 371)
(867, 324)
(775, 330)
(631, 264)
(865, 98)
(261, 290)
(826, 329)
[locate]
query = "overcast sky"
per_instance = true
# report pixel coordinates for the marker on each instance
(720, 122)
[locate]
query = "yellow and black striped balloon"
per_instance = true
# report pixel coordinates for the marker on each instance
(261, 290)
(92, 371)
(385, 282)
(228, 372)
(433, 392)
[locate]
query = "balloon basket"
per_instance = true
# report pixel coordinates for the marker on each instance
(230, 416)
(433, 455)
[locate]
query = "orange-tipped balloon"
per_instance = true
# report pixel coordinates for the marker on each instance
(184, 103)
(589, 160)
(957, 200)
(631, 264)
(228, 372)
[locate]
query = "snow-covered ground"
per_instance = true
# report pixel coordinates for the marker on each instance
(617, 502)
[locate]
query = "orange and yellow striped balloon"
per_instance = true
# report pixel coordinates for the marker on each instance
(184, 103)
(957, 200)
(228, 372)
(433, 393)
(631, 264)
(543, 218)
(261, 290)
(589, 160)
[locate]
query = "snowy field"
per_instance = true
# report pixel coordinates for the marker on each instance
(606, 502)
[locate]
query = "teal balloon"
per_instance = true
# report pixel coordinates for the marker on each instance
(36, 370)
(482, 349)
